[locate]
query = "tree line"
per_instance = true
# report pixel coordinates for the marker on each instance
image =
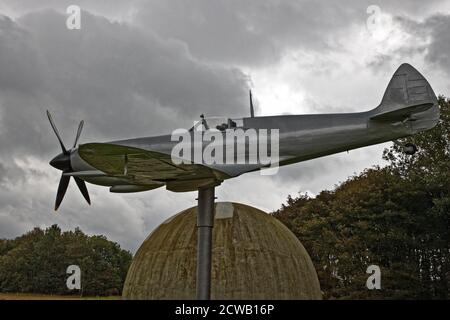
(396, 217)
(37, 261)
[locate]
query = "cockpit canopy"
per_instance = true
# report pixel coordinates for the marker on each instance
(216, 123)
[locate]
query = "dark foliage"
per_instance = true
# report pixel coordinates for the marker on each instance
(37, 262)
(396, 217)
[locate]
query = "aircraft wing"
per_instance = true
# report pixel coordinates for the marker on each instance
(143, 167)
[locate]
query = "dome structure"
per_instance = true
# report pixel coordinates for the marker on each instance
(254, 257)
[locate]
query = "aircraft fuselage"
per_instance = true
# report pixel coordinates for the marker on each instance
(301, 138)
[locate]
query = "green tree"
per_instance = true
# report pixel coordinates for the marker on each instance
(396, 217)
(37, 262)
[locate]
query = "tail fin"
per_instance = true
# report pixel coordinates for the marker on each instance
(408, 93)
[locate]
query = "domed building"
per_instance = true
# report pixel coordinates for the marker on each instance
(254, 257)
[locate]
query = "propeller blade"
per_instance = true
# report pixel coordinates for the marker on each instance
(84, 191)
(80, 127)
(56, 132)
(62, 188)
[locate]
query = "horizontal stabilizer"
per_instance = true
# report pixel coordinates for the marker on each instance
(401, 114)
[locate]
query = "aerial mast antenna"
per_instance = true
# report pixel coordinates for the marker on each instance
(252, 110)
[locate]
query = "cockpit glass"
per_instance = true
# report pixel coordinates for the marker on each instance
(214, 123)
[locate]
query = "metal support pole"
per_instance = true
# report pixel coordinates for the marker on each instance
(205, 223)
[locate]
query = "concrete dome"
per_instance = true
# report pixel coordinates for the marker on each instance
(254, 257)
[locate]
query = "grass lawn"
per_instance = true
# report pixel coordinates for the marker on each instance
(31, 296)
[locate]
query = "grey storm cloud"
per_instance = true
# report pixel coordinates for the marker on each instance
(429, 37)
(122, 78)
(3, 172)
(115, 9)
(439, 50)
(437, 29)
(254, 32)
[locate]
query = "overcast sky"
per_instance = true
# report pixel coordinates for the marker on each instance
(145, 67)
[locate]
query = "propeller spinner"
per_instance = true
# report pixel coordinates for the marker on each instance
(62, 162)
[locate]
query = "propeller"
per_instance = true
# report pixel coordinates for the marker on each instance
(62, 162)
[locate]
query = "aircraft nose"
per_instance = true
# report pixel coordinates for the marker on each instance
(61, 161)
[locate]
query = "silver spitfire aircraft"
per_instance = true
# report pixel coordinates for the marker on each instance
(409, 106)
